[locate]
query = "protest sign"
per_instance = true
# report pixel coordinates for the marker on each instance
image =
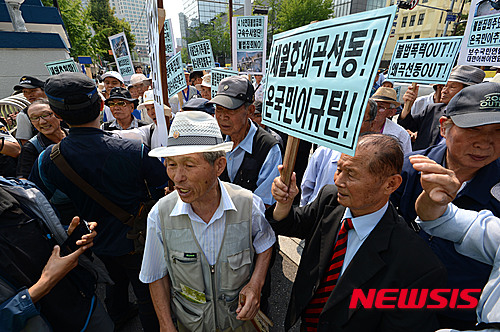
(176, 81)
(57, 67)
(425, 60)
(121, 53)
(320, 77)
(154, 60)
(249, 44)
(169, 38)
(201, 55)
(218, 75)
(481, 46)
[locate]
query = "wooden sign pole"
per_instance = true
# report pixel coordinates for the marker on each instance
(292, 146)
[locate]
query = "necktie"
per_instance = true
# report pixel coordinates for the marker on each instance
(317, 303)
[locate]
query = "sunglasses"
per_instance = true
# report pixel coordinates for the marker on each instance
(37, 118)
(117, 103)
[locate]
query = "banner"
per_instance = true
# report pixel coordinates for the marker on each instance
(320, 77)
(176, 81)
(154, 60)
(169, 38)
(481, 46)
(61, 66)
(425, 60)
(249, 44)
(201, 55)
(119, 47)
(218, 75)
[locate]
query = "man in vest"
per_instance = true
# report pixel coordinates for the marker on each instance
(253, 162)
(202, 237)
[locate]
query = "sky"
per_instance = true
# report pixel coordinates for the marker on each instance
(172, 10)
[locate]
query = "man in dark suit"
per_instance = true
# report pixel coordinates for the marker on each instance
(354, 232)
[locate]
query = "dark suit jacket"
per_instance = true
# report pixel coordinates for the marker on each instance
(426, 124)
(392, 256)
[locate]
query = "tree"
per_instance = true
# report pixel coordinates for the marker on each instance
(296, 13)
(217, 31)
(77, 24)
(105, 24)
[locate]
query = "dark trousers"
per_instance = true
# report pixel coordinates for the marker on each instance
(124, 270)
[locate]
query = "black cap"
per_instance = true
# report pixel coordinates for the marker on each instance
(71, 96)
(199, 104)
(29, 82)
(121, 93)
(475, 105)
(233, 92)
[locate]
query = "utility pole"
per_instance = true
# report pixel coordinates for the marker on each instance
(231, 28)
(448, 22)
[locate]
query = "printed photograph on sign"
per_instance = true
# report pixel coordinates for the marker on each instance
(121, 53)
(320, 77)
(119, 46)
(481, 46)
(424, 60)
(249, 44)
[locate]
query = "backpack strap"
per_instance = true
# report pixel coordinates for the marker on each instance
(36, 142)
(61, 163)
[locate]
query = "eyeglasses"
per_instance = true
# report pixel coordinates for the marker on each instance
(117, 103)
(37, 118)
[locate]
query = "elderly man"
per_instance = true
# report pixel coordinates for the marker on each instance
(475, 234)
(205, 87)
(471, 126)
(203, 236)
(386, 99)
(111, 79)
(118, 169)
(32, 89)
(355, 240)
(323, 163)
(150, 133)
(141, 83)
(122, 106)
(256, 155)
(426, 124)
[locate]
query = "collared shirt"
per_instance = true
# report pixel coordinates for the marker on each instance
(363, 226)
(259, 91)
(209, 236)
(114, 124)
(476, 235)
(268, 171)
(421, 103)
(319, 172)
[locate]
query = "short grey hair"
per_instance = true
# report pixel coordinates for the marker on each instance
(211, 157)
(373, 109)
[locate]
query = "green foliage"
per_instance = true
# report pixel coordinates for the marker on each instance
(184, 55)
(105, 24)
(459, 27)
(217, 30)
(296, 13)
(77, 25)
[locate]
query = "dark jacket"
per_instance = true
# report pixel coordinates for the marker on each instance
(392, 256)
(426, 124)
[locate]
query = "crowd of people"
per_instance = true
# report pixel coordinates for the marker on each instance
(192, 224)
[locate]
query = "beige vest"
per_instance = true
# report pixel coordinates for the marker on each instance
(205, 297)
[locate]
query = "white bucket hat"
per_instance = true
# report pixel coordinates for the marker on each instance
(149, 99)
(192, 132)
(206, 82)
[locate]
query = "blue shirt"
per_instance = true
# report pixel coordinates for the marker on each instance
(115, 167)
(319, 172)
(209, 236)
(476, 235)
(363, 226)
(463, 272)
(268, 171)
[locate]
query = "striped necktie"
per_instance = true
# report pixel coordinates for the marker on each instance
(315, 306)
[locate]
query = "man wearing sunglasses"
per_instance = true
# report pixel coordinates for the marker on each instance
(122, 105)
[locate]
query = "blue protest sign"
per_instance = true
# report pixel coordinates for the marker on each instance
(425, 60)
(218, 75)
(176, 81)
(169, 37)
(201, 55)
(249, 44)
(57, 67)
(121, 52)
(320, 77)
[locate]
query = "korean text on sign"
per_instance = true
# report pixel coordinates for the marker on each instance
(169, 37)
(58, 67)
(176, 80)
(426, 60)
(320, 76)
(218, 75)
(201, 55)
(249, 44)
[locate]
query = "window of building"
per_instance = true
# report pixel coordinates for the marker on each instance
(403, 21)
(408, 37)
(421, 19)
(400, 38)
(412, 20)
(416, 37)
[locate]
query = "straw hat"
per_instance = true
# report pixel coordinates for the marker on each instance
(386, 94)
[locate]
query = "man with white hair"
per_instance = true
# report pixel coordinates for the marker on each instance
(198, 258)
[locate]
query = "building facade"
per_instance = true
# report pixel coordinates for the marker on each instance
(134, 12)
(422, 22)
(348, 7)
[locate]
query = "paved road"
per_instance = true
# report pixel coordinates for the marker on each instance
(283, 273)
